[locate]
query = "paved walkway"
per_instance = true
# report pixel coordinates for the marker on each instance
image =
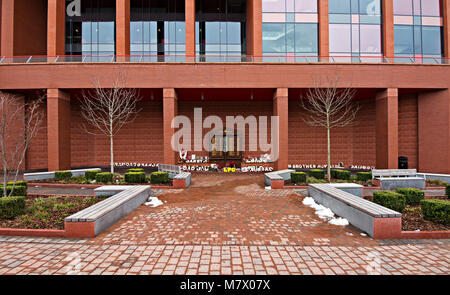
(224, 225)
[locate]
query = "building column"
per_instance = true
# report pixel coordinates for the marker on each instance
(388, 28)
(446, 15)
(434, 131)
(58, 130)
(324, 31)
(122, 28)
(56, 27)
(387, 129)
(7, 27)
(170, 109)
(254, 29)
(280, 109)
(190, 29)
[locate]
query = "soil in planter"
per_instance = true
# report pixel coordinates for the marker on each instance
(49, 212)
(412, 220)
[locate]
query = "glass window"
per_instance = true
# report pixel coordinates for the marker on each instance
(417, 28)
(92, 33)
(355, 29)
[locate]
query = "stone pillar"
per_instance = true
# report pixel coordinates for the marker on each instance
(170, 109)
(280, 109)
(388, 28)
(7, 27)
(387, 129)
(324, 30)
(58, 130)
(56, 27)
(446, 15)
(434, 131)
(254, 29)
(190, 29)
(122, 28)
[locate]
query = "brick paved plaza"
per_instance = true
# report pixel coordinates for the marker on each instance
(225, 225)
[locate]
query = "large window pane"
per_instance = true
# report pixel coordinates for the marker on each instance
(431, 38)
(403, 7)
(306, 38)
(339, 6)
(274, 38)
(340, 38)
(404, 39)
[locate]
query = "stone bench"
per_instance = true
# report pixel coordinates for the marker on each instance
(391, 179)
(276, 179)
(351, 188)
(110, 190)
(182, 180)
(92, 221)
(377, 221)
(51, 174)
(172, 170)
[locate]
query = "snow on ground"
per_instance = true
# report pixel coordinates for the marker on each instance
(324, 212)
(154, 202)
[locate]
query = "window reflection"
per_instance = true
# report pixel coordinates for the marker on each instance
(92, 34)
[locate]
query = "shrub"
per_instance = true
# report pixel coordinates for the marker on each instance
(447, 191)
(343, 174)
(104, 177)
(136, 170)
(90, 175)
(135, 177)
(334, 173)
(63, 175)
(159, 177)
(391, 200)
(11, 207)
(317, 173)
(315, 180)
(298, 177)
(18, 190)
(436, 210)
(413, 196)
(364, 176)
(18, 183)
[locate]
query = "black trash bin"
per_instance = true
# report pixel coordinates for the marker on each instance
(402, 162)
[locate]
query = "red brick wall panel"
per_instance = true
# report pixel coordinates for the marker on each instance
(408, 128)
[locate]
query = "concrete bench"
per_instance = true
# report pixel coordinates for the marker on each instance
(182, 180)
(110, 190)
(172, 170)
(51, 174)
(351, 188)
(377, 221)
(391, 179)
(434, 176)
(92, 221)
(276, 179)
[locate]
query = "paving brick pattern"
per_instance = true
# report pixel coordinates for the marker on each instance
(232, 226)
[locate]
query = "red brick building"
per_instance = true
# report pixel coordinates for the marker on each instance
(234, 57)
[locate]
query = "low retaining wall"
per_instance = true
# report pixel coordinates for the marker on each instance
(51, 174)
(433, 176)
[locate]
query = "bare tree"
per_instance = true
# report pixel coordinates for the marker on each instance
(15, 138)
(330, 107)
(109, 109)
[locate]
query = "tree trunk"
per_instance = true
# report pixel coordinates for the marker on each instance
(111, 141)
(329, 155)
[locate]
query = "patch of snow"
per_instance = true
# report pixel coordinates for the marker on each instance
(154, 202)
(268, 188)
(339, 221)
(363, 234)
(324, 212)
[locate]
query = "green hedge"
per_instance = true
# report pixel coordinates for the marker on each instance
(18, 190)
(447, 191)
(391, 200)
(342, 174)
(90, 175)
(317, 173)
(104, 177)
(363, 176)
(298, 177)
(413, 196)
(63, 175)
(159, 177)
(136, 170)
(18, 183)
(135, 177)
(436, 210)
(11, 207)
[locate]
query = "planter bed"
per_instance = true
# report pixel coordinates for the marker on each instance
(48, 213)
